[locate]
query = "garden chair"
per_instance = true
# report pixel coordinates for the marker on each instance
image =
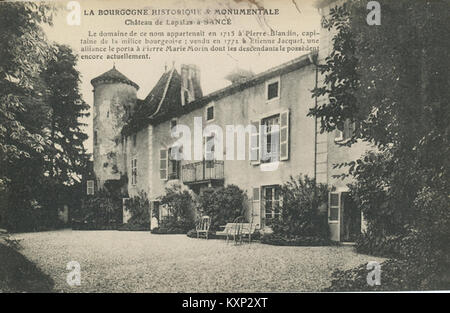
(236, 230)
(203, 226)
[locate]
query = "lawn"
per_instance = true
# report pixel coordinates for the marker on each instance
(113, 261)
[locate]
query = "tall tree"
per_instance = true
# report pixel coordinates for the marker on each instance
(23, 114)
(41, 134)
(393, 81)
(23, 53)
(67, 110)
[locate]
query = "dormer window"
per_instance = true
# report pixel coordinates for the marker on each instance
(273, 89)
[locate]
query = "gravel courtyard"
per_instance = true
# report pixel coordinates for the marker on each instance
(116, 261)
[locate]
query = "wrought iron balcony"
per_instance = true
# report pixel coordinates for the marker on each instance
(202, 172)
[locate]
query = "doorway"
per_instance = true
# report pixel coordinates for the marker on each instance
(351, 219)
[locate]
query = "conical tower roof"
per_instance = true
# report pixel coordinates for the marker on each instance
(113, 76)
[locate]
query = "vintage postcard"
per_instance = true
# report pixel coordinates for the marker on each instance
(226, 146)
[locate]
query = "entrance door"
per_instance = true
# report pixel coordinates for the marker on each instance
(344, 217)
(351, 219)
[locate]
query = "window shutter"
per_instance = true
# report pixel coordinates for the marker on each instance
(163, 164)
(284, 136)
(255, 143)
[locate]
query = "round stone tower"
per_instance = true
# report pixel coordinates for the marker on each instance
(114, 99)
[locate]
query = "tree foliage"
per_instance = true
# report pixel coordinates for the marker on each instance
(67, 108)
(393, 81)
(41, 137)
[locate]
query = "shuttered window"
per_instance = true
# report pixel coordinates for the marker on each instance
(133, 171)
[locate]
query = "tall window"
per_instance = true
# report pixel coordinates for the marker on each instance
(90, 187)
(134, 140)
(133, 171)
(272, 202)
(174, 165)
(271, 139)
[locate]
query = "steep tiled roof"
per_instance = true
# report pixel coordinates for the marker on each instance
(113, 75)
(163, 101)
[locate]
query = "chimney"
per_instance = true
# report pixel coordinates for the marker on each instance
(190, 83)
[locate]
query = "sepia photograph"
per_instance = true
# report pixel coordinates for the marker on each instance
(247, 148)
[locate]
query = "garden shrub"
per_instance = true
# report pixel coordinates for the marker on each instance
(101, 211)
(301, 222)
(414, 231)
(171, 225)
(387, 246)
(139, 208)
(180, 206)
(296, 240)
(32, 217)
(133, 227)
(396, 275)
(222, 205)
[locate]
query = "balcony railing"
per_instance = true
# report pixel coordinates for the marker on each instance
(202, 171)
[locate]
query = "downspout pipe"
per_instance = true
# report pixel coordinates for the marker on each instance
(313, 60)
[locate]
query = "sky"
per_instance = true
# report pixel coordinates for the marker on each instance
(298, 15)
